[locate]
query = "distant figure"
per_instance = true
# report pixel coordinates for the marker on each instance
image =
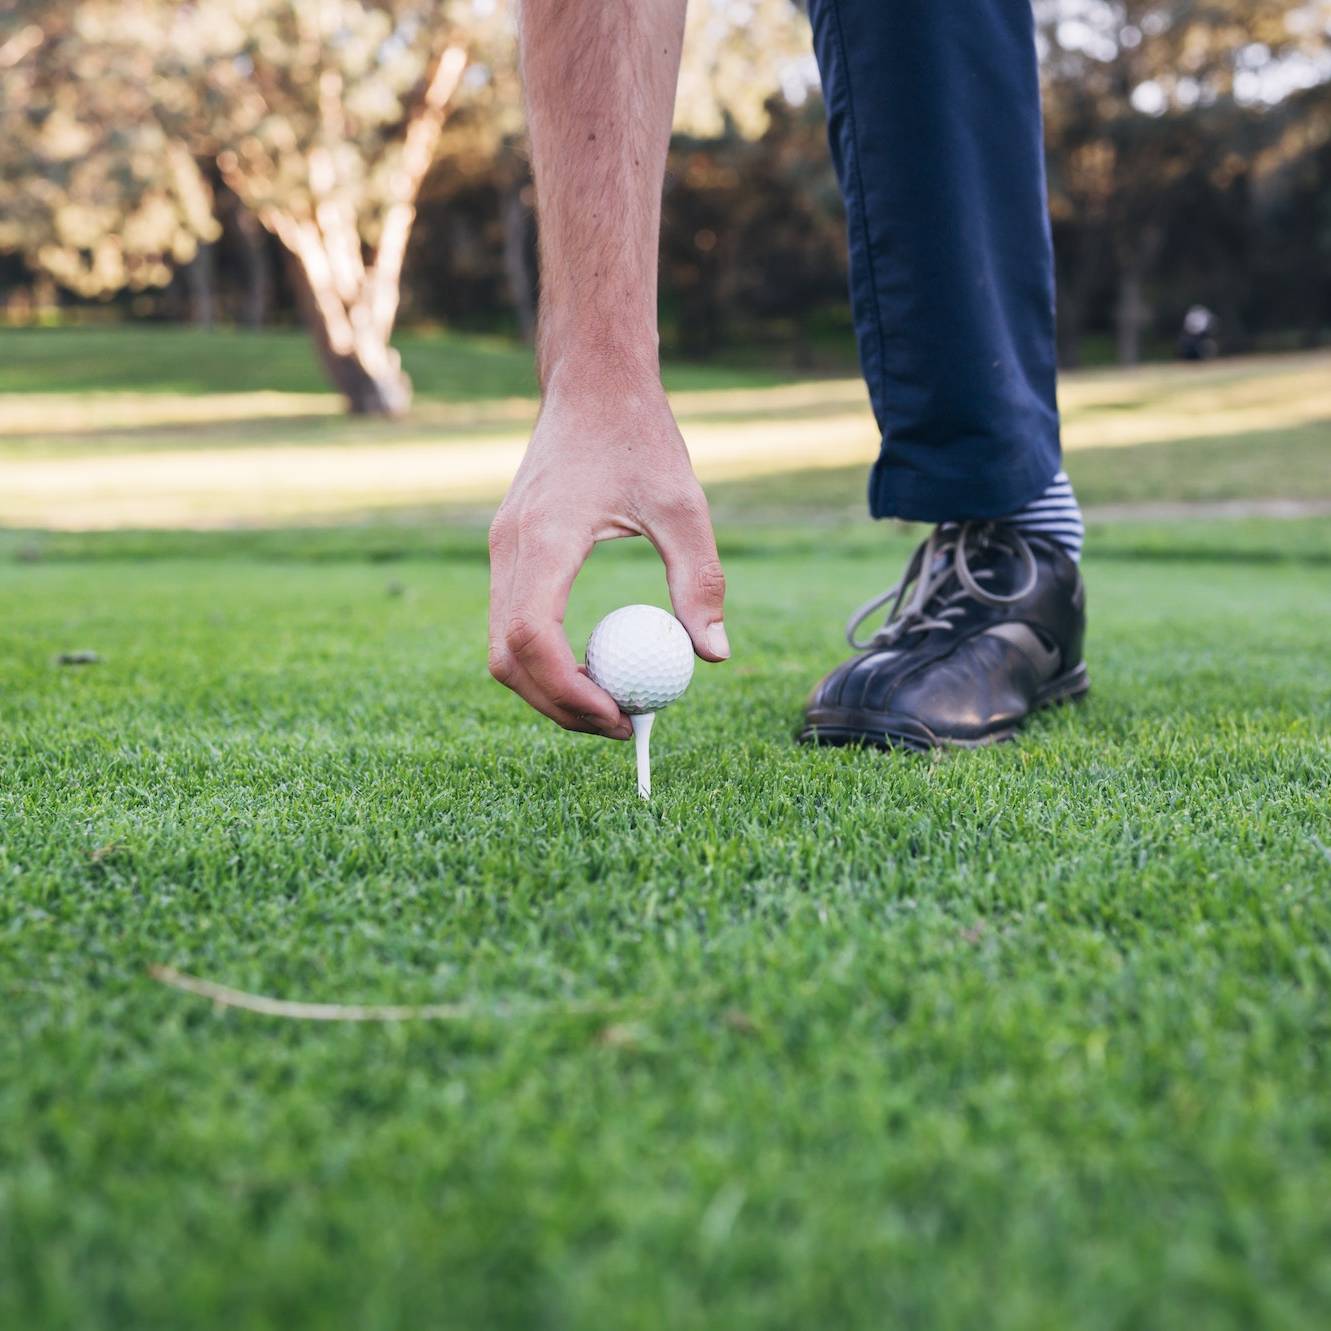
(1199, 339)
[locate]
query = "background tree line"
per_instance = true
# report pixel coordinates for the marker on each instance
(356, 162)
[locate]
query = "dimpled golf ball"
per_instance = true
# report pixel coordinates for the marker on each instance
(642, 657)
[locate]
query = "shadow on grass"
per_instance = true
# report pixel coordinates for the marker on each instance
(1295, 541)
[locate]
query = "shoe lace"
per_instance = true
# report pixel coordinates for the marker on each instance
(923, 598)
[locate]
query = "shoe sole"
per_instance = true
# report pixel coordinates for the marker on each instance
(843, 726)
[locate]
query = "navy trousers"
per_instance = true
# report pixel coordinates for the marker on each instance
(933, 111)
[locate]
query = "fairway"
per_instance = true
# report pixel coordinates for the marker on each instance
(136, 442)
(1026, 1037)
(1031, 1037)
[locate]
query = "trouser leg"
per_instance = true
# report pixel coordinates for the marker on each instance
(934, 119)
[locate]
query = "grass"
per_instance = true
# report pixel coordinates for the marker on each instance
(1020, 1038)
(135, 442)
(167, 359)
(1024, 1038)
(1292, 463)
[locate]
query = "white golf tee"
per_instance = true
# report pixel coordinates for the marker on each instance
(642, 739)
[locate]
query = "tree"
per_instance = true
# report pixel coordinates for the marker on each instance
(1293, 200)
(737, 55)
(478, 200)
(752, 228)
(1127, 85)
(323, 117)
(92, 189)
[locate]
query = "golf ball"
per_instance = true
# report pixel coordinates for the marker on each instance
(642, 657)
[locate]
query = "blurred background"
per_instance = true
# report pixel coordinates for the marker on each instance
(228, 226)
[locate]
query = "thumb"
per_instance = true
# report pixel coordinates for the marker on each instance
(694, 574)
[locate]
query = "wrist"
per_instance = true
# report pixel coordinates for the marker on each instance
(592, 373)
(615, 353)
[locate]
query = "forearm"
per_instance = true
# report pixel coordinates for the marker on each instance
(606, 458)
(600, 79)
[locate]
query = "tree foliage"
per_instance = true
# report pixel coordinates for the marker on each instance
(93, 188)
(737, 55)
(1146, 107)
(1187, 161)
(323, 116)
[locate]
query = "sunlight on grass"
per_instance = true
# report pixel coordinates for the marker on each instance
(106, 460)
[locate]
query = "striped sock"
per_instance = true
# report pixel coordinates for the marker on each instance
(1055, 514)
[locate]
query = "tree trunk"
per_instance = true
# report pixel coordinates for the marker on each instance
(1310, 325)
(258, 267)
(519, 265)
(1069, 330)
(803, 357)
(199, 284)
(348, 293)
(1130, 316)
(1078, 267)
(362, 366)
(370, 389)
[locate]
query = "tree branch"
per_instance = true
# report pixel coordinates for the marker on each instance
(21, 45)
(417, 152)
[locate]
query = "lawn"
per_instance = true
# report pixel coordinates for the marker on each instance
(166, 359)
(1034, 1037)
(133, 440)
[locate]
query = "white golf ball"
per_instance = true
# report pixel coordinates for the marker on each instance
(642, 657)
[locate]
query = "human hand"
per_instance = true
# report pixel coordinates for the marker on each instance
(601, 464)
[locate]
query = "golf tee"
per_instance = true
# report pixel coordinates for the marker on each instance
(642, 739)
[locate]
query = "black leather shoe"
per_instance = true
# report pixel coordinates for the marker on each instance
(984, 628)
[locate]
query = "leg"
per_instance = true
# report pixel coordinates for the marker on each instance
(934, 120)
(934, 117)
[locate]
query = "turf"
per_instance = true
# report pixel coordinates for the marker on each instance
(1032, 1037)
(155, 427)
(1255, 465)
(167, 359)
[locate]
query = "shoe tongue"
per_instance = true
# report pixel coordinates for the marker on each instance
(945, 558)
(994, 566)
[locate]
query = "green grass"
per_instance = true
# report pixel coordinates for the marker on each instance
(1026, 1038)
(163, 414)
(1290, 463)
(167, 359)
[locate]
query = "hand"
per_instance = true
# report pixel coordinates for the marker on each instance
(601, 464)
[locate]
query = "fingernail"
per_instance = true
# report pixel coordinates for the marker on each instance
(717, 642)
